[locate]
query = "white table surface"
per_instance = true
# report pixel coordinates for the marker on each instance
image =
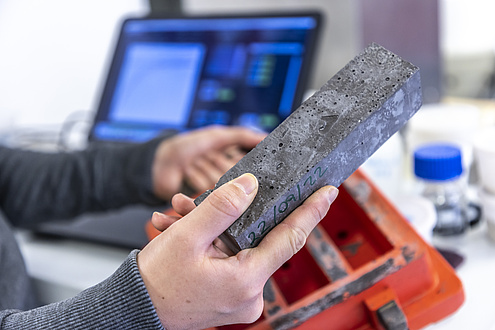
(477, 274)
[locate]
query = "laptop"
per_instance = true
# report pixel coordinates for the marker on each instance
(189, 72)
(182, 73)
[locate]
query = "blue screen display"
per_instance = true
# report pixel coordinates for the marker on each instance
(185, 73)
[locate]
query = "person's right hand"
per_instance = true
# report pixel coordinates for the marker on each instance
(194, 285)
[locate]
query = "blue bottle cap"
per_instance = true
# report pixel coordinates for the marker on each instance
(439, 162)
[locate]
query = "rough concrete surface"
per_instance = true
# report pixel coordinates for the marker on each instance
(325, 140)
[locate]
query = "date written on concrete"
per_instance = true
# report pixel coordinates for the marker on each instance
(284, 206)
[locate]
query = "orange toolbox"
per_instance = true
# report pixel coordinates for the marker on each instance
(363, 267)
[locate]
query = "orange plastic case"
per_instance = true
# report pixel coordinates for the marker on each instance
(363, 267)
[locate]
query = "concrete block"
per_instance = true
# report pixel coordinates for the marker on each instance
(325, 140)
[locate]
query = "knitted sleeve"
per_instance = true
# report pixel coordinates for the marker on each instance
(41, 186)
(119, 302)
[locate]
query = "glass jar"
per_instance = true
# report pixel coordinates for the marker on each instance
(438, 168)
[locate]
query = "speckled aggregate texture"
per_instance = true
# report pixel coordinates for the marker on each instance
(325, 140)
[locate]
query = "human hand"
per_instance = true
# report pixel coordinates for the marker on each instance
(199, 158)
(193, 284)
(181, 206)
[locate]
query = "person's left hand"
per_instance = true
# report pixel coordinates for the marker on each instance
(199, 158)
(194, 284)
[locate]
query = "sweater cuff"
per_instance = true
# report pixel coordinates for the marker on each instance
(128, 298)
(139, 174)
(119, 302)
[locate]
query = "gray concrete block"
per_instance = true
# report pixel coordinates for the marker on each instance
(325, 140)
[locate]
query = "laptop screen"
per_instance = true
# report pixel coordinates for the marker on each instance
(189, 72)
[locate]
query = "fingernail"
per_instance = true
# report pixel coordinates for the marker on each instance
(157, 214)
(332, 194)
(247, 182)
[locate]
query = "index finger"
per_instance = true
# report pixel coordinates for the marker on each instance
(220, 209)
(288, 237)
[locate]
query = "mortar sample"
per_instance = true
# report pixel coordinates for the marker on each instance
(325, 140)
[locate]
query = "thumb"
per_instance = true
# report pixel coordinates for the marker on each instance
(221, 208)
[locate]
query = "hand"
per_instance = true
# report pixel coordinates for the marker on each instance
(182, 205)
(199, 158)
(195, 285)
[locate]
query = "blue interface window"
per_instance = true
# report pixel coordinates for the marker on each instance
(188, 73)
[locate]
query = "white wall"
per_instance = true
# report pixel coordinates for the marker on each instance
(53, 53)
(469, 46)
(468, 26)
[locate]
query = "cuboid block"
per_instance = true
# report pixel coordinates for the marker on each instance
(325, 140)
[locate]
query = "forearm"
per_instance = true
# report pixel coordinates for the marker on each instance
(120, 302)
(36, 186)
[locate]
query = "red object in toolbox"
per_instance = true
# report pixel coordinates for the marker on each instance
(363, 267)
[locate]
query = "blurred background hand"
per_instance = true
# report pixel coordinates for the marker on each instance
(199, 158)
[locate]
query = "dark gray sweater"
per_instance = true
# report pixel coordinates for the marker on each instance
(35, 187)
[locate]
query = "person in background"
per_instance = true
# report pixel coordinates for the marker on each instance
(184, 278)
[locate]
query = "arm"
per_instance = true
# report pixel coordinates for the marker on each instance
(39, 186)
(120, 302)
